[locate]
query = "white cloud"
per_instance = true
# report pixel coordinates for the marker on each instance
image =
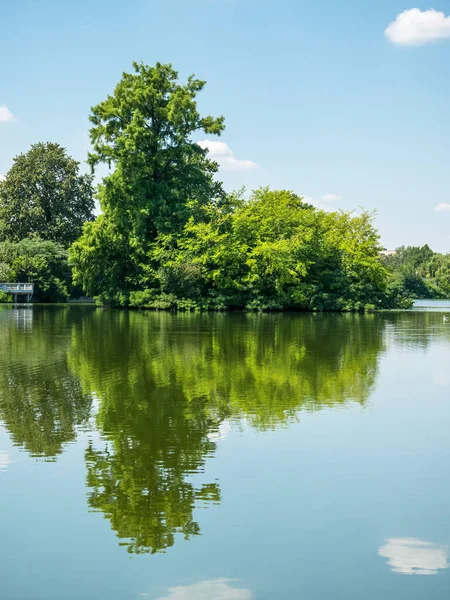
(2, 177)
(412, 556)
(5, 461)
(415, 27)
(222, 153)
(442, 206)
(323, 202)
(331, 198)
(219, 589)
(6, 114)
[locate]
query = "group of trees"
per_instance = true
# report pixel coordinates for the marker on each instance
(169, 236)
(420, 272)
(44, 202)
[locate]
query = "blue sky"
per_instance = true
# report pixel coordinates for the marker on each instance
(317, 97)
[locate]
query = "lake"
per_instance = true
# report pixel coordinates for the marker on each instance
(231, 457)
(438, 305)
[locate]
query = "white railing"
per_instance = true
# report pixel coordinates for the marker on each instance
(17, 288)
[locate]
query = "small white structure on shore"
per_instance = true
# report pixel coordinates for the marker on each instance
(18, 289)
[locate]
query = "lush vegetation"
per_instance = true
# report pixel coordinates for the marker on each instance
(42, 262)
(45, 196)
(271, 251)
(170, 237)
(44, 202)
(420, 272)
(161, 179)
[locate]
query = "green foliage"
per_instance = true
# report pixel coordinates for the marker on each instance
(5, 272)
(4, 297)
(436, 273)
(42, 262)
(161, 178)
(409, 258)
(169, 238)
(397, 295)
(420, 272)
(45, 196)
(271, 252)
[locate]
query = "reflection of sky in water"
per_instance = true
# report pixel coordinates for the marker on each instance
(5, 461)
(412, 556)
(441, 379)
(217, 589)
(222, 432)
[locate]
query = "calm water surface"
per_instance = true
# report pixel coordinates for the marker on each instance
(428, 305)
(229, 457)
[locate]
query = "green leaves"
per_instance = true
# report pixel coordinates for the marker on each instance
(169, 237)
(419, 272)
(42, 262)
(161, 177)
(273, 251)
(44, 195)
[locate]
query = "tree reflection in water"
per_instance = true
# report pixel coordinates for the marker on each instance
(41, 400)
(165, 384)
(168, 388)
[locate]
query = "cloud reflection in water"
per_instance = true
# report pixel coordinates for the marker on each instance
(5, 461)
(412, 556)
(219, 589)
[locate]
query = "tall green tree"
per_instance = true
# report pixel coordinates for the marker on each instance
(44, 195)
(161, 176)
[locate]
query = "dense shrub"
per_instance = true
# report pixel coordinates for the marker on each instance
(42, 262)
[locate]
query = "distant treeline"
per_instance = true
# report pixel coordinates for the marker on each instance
(169, 236)
(420, 272)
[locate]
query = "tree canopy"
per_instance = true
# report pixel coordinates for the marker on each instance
(161, 176)
(420, 272)
(45, 196)
(271, 251)
(170, 237)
